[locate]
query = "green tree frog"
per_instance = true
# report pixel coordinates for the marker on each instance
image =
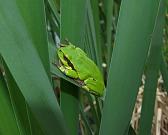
(74, 63)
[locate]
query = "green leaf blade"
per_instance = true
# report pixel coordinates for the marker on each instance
(6, 113)
(18, 51)
(128, 59)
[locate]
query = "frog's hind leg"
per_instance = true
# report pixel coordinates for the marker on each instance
(93, 86)
(91, 83)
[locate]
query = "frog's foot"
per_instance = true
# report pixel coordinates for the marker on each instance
(90, 91)
(63, 45)
(95, 93)
(62, 68)
(86, 88)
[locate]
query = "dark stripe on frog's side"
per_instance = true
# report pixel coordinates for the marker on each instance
(69, 63)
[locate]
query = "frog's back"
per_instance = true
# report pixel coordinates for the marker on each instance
(86, 66)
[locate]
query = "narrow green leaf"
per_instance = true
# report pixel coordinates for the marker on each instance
(54, 10)
(89, 46)
(89, 130)
(109, 21)
(92, 33)
(132, 42)
(99, 107)
(94, 111)
(153, 64)
(53, 18)
(94, 12)
(164, 72)
(8, 124)
(52, 24)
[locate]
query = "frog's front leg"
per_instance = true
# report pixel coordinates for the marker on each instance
(69, 72)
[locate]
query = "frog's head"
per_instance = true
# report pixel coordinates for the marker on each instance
(63, 54)
(65, 64)
(94, 86)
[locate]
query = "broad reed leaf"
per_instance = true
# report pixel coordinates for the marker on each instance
(20, 54)
(132, 42)
(33, 14)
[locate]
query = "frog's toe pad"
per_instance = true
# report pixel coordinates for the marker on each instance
(62, 68)
(85, 87)
(90, 91)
